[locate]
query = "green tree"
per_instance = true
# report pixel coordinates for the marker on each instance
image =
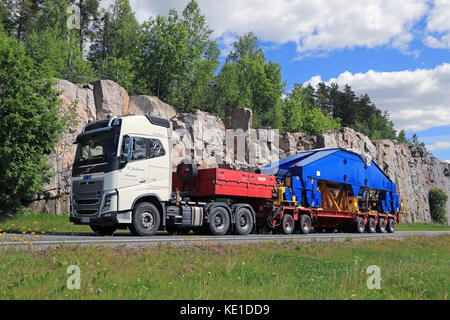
(89, 11)
(415, 141)
(247, 80)
(401, 137)
(6, 16)
(56, 48)
(26, 13)
(302, 115)
(114, 48)
(178, 58)
(437, 199)
(31, 121)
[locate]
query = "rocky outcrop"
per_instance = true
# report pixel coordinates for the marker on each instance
(143, 105)
(110, 98)
(232, 143)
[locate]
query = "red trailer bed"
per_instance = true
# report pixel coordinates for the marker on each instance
(225, 182)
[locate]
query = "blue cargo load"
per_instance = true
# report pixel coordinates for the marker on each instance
(357, 172)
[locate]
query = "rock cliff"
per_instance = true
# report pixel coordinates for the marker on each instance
(213, 141)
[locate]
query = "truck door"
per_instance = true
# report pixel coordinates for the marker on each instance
(160, 164)
(133, 178)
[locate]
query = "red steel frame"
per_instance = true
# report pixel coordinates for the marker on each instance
(327, 218)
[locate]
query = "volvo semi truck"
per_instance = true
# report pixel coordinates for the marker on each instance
(122, 179)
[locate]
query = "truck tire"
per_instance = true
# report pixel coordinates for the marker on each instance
(219, 221)
(371, 226)
(305, 224)
(381, 227)
(360, 226)
(244, 221)
(390, 226)
(104, 231)
(146, 219)
(287, 224)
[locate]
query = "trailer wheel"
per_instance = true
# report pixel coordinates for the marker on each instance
(244, 221)
(219, 221)
(104, 231)
(371, 226)
(287, 224)
(381, 227)
(146, 219)
(360, 226)
(391, 226)
(305, 224)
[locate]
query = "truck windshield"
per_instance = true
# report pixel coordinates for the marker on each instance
(96, 148)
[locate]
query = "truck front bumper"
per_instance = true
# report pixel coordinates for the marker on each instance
(107, 219)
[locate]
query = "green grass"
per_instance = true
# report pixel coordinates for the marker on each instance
(38, 223)
(422, 227)
(31, 222)
(416, 268)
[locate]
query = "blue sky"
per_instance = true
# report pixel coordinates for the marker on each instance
(396, 51)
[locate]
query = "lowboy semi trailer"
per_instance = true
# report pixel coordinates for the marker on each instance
(122, 179)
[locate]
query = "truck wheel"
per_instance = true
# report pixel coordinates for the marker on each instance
(104, 231)
(391, 226)
(244, 221)
(305, 224)
(146, 219)
(371, 227)
(287, 224)
(381, 227)
(219, 221)
(360, 226)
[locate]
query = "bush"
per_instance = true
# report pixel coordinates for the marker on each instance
(437, 199)
(30, 122)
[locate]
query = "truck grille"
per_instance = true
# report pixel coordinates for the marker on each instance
(87, 201)
(87, 195)
(86, 212)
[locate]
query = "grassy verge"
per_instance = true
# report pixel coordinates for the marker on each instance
(422, 227)
(43, 222)
(39, 223)
(416, 268)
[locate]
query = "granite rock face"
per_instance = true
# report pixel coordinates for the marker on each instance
(232, 143)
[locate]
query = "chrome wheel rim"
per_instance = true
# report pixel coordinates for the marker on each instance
(147, 220)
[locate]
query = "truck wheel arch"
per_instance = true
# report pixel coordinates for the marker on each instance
(154, 199)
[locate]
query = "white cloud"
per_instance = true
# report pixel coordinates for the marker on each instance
(440, 145)
(315, 26)
(438, 25)
(416, 100)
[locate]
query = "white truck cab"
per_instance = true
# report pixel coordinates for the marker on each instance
(122, 167)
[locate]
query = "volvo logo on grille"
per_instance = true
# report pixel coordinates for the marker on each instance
(87, 177)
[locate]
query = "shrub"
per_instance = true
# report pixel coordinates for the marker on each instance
(437, 199)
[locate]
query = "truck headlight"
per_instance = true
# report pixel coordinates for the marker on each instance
(108, 201)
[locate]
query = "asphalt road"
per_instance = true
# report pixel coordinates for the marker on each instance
(126, 239)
